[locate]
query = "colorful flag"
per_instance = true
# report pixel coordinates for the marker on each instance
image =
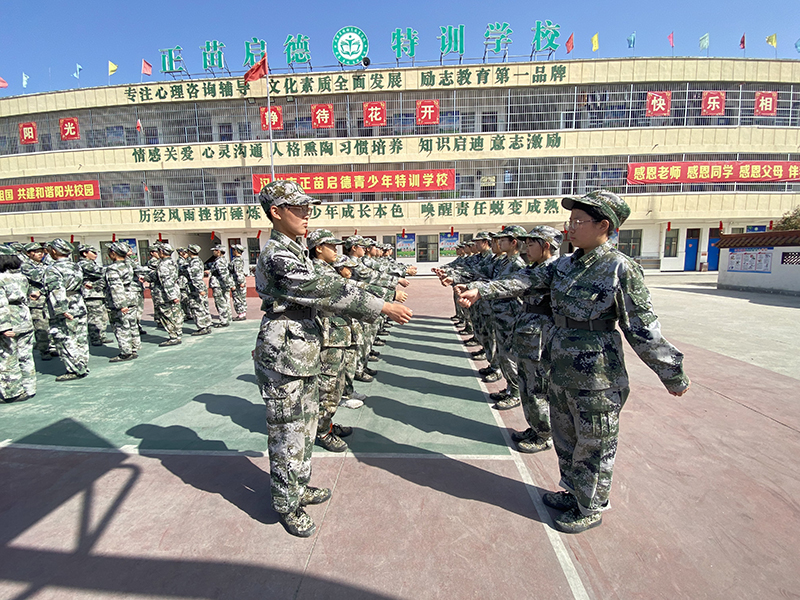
(257, 71)
(797, 45)
(24, 80)
(632, 40)
(704, 41)
(138, 125)
(112, 68)
(773, 40)
(741, 42)
(571, 42)
(77, 73)
(596, 42)
(147, 68)
(671, 38)
(3, 83)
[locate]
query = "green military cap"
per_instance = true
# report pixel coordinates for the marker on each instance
(33, 246)
(512, 231)
(17, 246)
(237, 247)
(119, 248)
(6, 250)
(61, 246)
(282, 192)
(194, 249)
(321, 236)
(353, 240)
(165, 248)
(219, 248)
(84, 248)
(608, 203)
(549, 234)
(181, 249)
(345, 261)
(482, 235)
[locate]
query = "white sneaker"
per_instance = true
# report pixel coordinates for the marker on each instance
(358, 396)
(351, 403)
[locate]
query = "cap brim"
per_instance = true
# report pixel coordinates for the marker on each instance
(569, 201)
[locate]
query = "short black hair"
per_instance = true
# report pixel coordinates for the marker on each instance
(595, 214)
(9, 262)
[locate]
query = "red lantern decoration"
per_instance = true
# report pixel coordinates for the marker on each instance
(720, 226)
(212, 236)
(669, 225)
(72, 239)
(258, 235)
(770, 225)
(452, 230)
(113, 237)
(35, 240)
(159, 236)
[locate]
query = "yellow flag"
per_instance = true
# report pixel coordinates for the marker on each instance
(112, 68)
(773, 40)
(595, 42)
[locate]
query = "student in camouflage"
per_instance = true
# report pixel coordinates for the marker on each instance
(287, 349)
(221, 282)
(121, 302)
(167, 295)
(63, 282)
(350, 397)
(94, 295)
(591, 292)
(17, 370)
(239, 278)
(182, 262)
(33, 267)
(140, 275)
(196, 289)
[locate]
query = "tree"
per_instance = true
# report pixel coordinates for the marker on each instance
(789, 221)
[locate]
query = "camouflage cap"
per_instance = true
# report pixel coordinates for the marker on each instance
(17, 246)
(6, 250)
(154, 247)
(321, 236)
(608, 203)
(282, 192)
(219, 248)
(83, 248)
(512, 231)
(165, 248)
(194, 249)
(353, 240)
(181, 249)
(549, 234)
(237, 247)
(345, 261)
(61, 246)
(119, 248)
(33, 246)
(482, 235)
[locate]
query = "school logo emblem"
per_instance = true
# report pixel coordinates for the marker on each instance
(350, 45)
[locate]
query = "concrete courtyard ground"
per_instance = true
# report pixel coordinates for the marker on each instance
(149, 479)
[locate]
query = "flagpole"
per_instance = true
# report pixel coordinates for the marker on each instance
(269, 118)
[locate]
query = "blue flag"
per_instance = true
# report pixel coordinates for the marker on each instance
(77, 73)
(632, 40)
(797, 45)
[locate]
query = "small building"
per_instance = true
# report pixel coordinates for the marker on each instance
(767, 261)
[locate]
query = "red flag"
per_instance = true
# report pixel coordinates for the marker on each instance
(257, 71)
(3, 83)
(147, 68)
(138, 125)
(671, 38)
(741, 42)
(570, 43)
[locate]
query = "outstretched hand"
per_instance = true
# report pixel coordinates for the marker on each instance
(397, 312)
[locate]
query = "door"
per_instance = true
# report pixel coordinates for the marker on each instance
(713, 251)
(692, 246)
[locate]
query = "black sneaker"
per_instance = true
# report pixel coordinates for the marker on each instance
(170, 342)
(298, 523)
(121, 358)
(374, 352)
(486, 370)
(378, 342)
(471, 342)
(534, 445)
(332, 442)
(372, 358)
(368, 371)
(560, 500)
(203, 331)
(518, 436)
(364, 377)
(507, 403)
(479, 356)
(492, 377)
(341, 430)
(574, 521)
(70, 376)
(314, 495)
(501, 395)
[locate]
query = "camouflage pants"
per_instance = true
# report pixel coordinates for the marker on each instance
(504, 321)
(41, 328)
(484, 333)
(170, 316)
(17, 370)
(139, 306)
(533, 393)
(239, 300)
(198, 305)
(292, 414)
(350, 366)
(331, 386)
(585, 432)
(186, 307)
(72, 343)
(97, 320)
(126, 330)
(222, 301)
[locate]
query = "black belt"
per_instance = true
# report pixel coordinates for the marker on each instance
(296, 315)
(593, 325)
(539, 309)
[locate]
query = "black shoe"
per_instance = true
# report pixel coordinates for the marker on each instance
(21, 398)
(142, 331)
(472, 342)
(479, 356)
(534, 445)
(501, 395)
(122, 358)
(560, 500)
(135, 355)
(70, 376)
(507, 403)
(363, 377)
(332, 442)
(314, 495)
(203, 331)
(374, 353)
(218, 325)
(492, 377)
(518, 436)
(573, 521)
(369, 371)
(372, 358)
(298, 523)
(341, 430)
(170, 342)
(378, 342)
(485, 370)
(455, 318)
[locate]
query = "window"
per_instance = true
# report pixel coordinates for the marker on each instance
(190, 135)
(244, 131)
(131, 136)
(427, 248)
(121, 191)
(225, 132)
(115, 135)
(671, 244)
(229, 192)
(157, 195)
(489, 122)
(468, 122)
(144, 252)
(96, 138)
(151, 135)
(46, 142)
(253, 250)
(737, 230)
(231, 242)
(630, 242)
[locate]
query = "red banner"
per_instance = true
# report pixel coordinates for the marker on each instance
(365, 181)
(277, 118)
(375, 114)
(322, 116)
(713, 104)
(69, 128)
(766, 104)
(658, 104)
(427, 112)
(28, 134)
(50, 192)
(713, 172)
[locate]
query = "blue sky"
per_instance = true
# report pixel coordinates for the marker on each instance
(45, 39)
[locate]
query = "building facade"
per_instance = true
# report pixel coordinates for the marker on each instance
(416, 156)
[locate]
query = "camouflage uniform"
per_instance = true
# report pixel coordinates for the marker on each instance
(63, 282)
(94, 295)
(239, 286)
(121, 293)
(590, 293)
(17, 369)
(138, 289)
(183, 284)
(165, 291)
(286, 356)
(40, 316)
(198, 300)
(220, 282)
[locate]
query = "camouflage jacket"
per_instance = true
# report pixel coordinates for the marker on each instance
(336, 330)
(119, 288)
(194, 276)
(92, 276)
(506, 310)
(183, 278)
(165, 282)
(603, 284)
(532, 328)
(63, 282)
(286, 281)
(219, 275)
(138, 271)
(34, 271)
(237, 271)
(14, 290)
(480, 269)
(362, 272)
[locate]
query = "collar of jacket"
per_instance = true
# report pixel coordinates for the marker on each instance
(289, 243)
(588, 259)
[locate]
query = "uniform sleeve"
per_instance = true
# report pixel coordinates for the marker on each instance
(116, 289)
(6, 321)
(639, 323)
(522, 283)
(168, 275)
(56, 293)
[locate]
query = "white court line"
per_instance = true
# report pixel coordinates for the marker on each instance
(559, 548)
